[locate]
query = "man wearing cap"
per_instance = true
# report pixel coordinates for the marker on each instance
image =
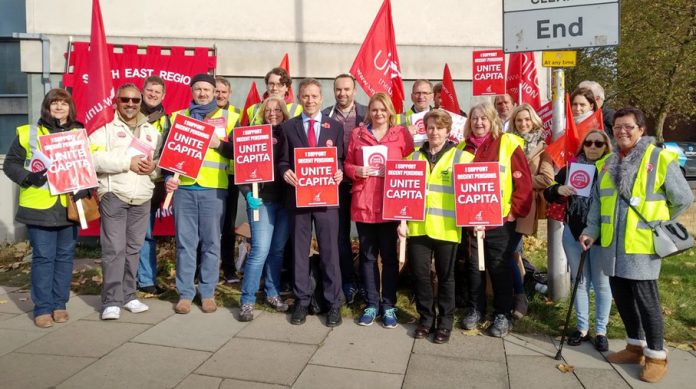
(199, 204)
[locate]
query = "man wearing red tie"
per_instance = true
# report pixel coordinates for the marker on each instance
(312, 129)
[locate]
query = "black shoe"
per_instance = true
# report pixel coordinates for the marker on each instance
(299, 315)
(333, 318)
(576, 338)
(442, 335)
(422, 331)
(601, 343)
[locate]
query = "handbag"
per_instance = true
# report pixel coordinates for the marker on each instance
(89, 204)
(557, 211)
(669, 237)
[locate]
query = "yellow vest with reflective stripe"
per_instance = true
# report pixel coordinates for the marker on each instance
(232, 119)
(648, 188)
(33, 197)
(440, 222)
(161, 124)
(213, 173)
(404, 119)
(256, 116)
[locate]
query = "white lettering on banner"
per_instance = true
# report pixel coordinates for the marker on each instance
(186, 150)
(63, 166)
(315, 181)
(489, 198)
(387, 65)
(315, 170)
(101, 105)
(477, 187)
(404, 194)
(253, 148)
(138, 73)
(254, 158)
(175, 77)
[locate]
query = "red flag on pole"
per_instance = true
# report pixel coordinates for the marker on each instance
(448, 94)
(563, 148)
(522, 83)
(252, 98)
(376, 67)
(97, 108)
(285, 64)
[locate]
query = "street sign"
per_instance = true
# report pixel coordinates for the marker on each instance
(534, 25)
(558, 59)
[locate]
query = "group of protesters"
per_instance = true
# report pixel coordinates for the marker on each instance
(620, 262)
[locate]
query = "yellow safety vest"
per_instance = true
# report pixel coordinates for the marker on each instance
(215, 168)
(440, 222)
(404, 119)
(647, 188)
(256, 116)
(33, 197)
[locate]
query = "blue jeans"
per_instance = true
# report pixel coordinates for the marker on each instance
(268, 237)
(592, 276)
(147, 267)
(53, 249)
(198, 217)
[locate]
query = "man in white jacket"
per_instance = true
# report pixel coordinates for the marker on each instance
(122, 153)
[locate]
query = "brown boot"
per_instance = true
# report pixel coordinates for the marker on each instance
(631, 354)
(208, 305)
(43, 321)
(653, 370)
(183, 306)
(60, 316)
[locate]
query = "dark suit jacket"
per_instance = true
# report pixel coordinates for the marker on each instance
(295, 136)
(360, 112)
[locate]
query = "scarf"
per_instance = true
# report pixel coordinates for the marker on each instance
(153, 113)
(477, 142)
(199, 112)
(531, 140)
(578, 119)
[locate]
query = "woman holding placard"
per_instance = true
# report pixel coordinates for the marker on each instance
(371, 144)
(270, 232)
(438, 235)
(525, 123)
(484, 138)
(51, 235)
(593, 147)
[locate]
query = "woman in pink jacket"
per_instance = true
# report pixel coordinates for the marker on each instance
(377, 236)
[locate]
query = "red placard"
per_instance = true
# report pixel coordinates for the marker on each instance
(478, 198)
(186, 145)
(404, 190)
(71, 167)
(546, 115)
(489, 72)
(253, 154)
(315, 168)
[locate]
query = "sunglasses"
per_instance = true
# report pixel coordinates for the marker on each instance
(125, 100)
(596, 143)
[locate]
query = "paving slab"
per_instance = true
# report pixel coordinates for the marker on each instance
(195, 381)
(431, 371)
(136, 365)
(195, 331)
(85, 338)
(5, 316)
(275, 326)
(7, 289)
(14, 339)
(321, 377)
(372, 348)
(159, 310)
(479, 347)
(600, 379)
(78, 307)
(16, 302)
(545, 374)
(22, 371)
(531, 345)
(259, 360)
(583, 356)
(238, 384)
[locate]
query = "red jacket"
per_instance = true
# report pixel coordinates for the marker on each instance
(366, 205)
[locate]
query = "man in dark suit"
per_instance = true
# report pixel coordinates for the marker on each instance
(312, 129)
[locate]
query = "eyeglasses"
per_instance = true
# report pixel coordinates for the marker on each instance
(125, 100)
(596, 143)
(625, 128)
(273, 110)
(422, 93)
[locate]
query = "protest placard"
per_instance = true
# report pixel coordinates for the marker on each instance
(186, 145)
(580, 176)
(315, 168)
(374, 156)
(404, 190)
(71, 167)
(253, 154)
(456, 135)
(39, 161)
(417, 120)
(488, 72)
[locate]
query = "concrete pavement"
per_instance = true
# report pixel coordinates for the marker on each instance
(159, 349)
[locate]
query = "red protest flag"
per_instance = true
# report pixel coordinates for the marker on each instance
(376, 67)
(252, 98)
(556, 150)
(449, 94)
(285, 65)
(522, 83)
(97, 108)
(568, 144)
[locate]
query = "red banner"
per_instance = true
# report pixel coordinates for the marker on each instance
(315, 168)
(546, 115)
(404, 190)
(448, 95)
(376, 67)
(186, 145)
(253, 154)
(489, 72)
(522, 79)
(71, 167)
(176, 65)
(477, 194)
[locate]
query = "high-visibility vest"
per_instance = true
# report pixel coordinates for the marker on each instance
(33, 197)
(256, 116)
(215, 168)
(440, 222)
(647, 195)
(162, 124)
(404, 119)
(232, 119)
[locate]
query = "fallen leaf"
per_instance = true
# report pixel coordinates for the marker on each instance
(3, 301)
(675, 282)
(693, 345)
(565, 368)
(666, 311)
(97, 279)
(98, 261)
(22, 299)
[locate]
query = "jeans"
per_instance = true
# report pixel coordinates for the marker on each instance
(638, 303)
(517, 280)
(592, 276)
(268, 237)
(379, 240)
(53, 249)
(147, 268)
(198, 218)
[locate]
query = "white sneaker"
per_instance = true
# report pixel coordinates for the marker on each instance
(136, 306)
(111, 313)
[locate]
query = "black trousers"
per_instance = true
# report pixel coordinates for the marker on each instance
(638, 303)
(420, 250)
(345, 250)
(497, 250)
(228, 236)
(379, 240)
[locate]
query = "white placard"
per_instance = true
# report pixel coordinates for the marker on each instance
(375, 156)
(417, 120)
(458, 123)
(580, 177)
(39, 161)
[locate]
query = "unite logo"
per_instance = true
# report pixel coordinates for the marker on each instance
(317, 197)
(180, 165)
(403, 210)
(388, 65)
(252, 174)
(479, 216)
